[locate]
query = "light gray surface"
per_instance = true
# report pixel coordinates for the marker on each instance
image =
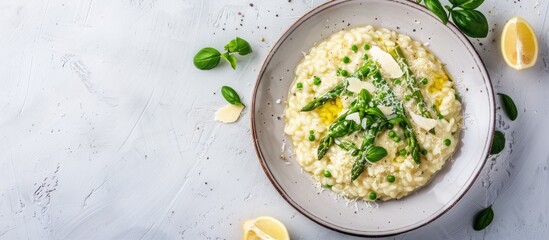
(108, 131)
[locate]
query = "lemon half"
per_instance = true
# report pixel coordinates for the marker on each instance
(265, 228)
(519, 44)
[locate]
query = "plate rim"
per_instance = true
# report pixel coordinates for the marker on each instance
(342, 229)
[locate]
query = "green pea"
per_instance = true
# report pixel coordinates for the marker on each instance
(327, 173)
(366, 47)
(372, 196)
(424, 81)
(365, 57)
(391, 179)
(311, 132)
(424, 152)
(402, 152)
(341, 72)
(408, 97)
(390, 126)
(440, 116)
(392, 133)
(346, 60)
(396, 81)
(327, 186)
(311, 138)
(299, 85)
(396, 139)
(354, 48)
(447, 142)
(317, 81)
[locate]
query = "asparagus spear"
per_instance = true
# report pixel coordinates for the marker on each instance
(332, 94)
(411, 82)
(367, 144)
(342, 127)
(387, 97)
(336, 91)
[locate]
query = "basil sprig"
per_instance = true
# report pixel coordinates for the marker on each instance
(509, 106)
(231, 96)
(470, 21)
(208, 58)
(498, 144)
(483, 218)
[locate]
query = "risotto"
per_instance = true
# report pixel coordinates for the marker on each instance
(372, 114)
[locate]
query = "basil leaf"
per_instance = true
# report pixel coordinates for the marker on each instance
(231, 96)
(239, 45)
(375, 111)
(483, 218)
(509, 106)
(206, 58)
(498, 144)
(230, 58)
(471, 22)
(375, 154)
(467, 4)
(435, 7)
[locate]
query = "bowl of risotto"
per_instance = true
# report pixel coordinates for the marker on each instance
(371, 117)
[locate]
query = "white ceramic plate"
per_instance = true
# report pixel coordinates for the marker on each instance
(392, 217)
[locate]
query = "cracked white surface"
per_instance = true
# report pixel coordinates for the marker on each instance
(108, 130)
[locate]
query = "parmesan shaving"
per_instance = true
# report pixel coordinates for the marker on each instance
(389, 67)
(354, 117)
(386, 110)
(355, 85)
(229, 113)
(422, 122)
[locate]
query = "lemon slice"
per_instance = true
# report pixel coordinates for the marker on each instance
(519, 45)
(265, 228)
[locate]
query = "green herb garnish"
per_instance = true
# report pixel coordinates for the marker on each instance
(470, 21)
(207, 58)
(509, 106)
(483, 219)
(231, 96)
(375, 154)
(498, 144)
(238, 45)
(231, 59)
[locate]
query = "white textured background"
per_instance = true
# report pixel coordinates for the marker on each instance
(107, 131)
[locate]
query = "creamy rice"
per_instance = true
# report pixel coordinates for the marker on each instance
(322, 61)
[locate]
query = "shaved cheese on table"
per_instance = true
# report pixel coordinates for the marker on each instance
(229, 113)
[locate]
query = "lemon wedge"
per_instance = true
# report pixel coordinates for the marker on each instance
(519, 44)
(265, 228)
